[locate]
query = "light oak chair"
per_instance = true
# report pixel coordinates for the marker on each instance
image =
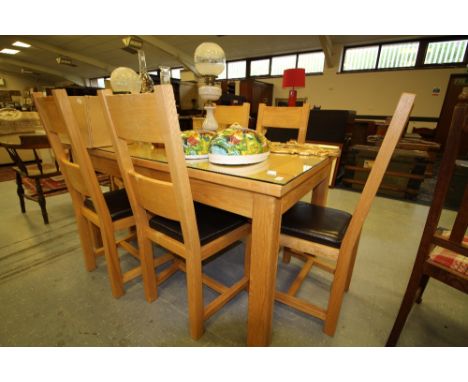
(164, 210)
(329, 238)
(442, 254)
(99, 215)
(227, 115)
(280, 117)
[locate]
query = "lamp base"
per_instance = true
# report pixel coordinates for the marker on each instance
(210, 122)
(292, 97)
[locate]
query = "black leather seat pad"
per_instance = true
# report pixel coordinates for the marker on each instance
(212, 223)
(317, 224)
(117, 202)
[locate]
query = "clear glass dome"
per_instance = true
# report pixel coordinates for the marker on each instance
(209, 59)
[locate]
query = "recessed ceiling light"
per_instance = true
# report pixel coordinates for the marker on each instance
(9, 51)
(21, 44)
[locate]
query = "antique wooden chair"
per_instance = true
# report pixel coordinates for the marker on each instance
(329, 238)
(99, 215)
(164, 210)
(442, 254)
(41, 178)
(278, 117)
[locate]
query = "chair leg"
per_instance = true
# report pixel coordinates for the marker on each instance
(41, 200)
(334, 303)
(147, 269)
(351, 266)
(286, 255)
(414, 284)
(422, 288)
(20, 192)
(195, 295)
(247, 251)
(112, 262)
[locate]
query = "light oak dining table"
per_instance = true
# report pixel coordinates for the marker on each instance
(261, 191)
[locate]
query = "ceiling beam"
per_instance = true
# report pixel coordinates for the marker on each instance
(63, 52)
(39, 68)
(327, 46)
(183, 58)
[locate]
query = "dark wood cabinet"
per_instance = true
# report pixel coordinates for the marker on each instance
(254, 92)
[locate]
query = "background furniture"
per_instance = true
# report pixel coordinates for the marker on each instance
(329, 238)
(442, 254)
(41, 176)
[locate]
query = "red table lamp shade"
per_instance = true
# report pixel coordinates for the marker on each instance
(293, 78)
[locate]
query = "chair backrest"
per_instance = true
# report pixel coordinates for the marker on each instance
(63, 130)
(393, 135)
(284, 118)
(227, 115)
(152, 117)
(431, 236)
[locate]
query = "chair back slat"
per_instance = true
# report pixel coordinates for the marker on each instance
(227, 115)
(284, 117)
(152, 117)
(392, 136)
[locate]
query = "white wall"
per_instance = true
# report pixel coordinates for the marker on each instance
(21, 82)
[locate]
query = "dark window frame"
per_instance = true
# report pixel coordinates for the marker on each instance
(419, 64)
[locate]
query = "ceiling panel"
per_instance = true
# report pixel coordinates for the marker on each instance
(108, 50)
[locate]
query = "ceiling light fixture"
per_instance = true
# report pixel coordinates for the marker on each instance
(9, 51)
(62, 60)
(21, 44)
(132, 44)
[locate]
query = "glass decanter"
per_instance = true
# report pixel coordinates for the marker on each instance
(147, 84)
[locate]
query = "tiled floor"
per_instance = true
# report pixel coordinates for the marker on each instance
(48, 299)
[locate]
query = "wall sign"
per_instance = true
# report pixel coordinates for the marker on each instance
(436, 91)
(2, 81)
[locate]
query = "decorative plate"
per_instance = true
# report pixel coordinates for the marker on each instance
(236, 145)
(196, 143)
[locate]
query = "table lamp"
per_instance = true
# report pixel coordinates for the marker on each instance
(293, 78)
(209, 61)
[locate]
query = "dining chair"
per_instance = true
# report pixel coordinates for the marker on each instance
(328, 238)
(442, 253)
(226, 115)
(102, 218)
(164, 210)
(280, 117)
(41, 178)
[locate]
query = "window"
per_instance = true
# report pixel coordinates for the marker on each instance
(360, 58)
(398, 55)
(445, 52)
(448, 51)
(280, 63)
(175, 73)
(260, 67)
(311, 62)
(236, 69)
(101, 83)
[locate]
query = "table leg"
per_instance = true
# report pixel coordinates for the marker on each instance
(320, 192)
(266, 222)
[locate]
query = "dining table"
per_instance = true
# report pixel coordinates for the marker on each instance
(261, 191)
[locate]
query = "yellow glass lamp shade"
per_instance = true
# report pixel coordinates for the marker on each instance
(125, 80)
